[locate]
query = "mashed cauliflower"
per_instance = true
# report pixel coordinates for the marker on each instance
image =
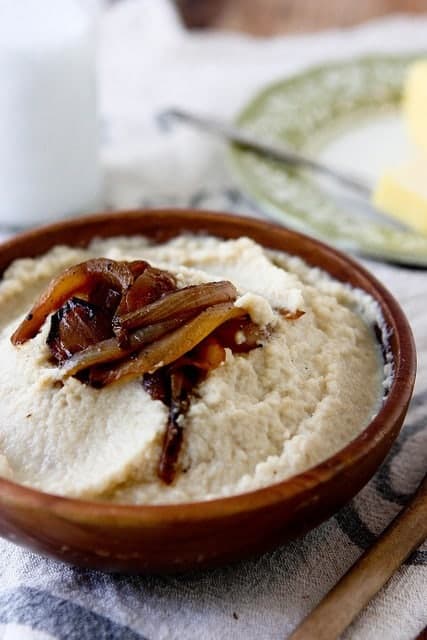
(257, 419)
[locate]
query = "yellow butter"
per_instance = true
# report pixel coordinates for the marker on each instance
(402, 192)
(415, 103)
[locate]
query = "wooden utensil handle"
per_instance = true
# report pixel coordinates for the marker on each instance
(366, 577)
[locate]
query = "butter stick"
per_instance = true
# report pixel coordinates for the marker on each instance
(402, 192)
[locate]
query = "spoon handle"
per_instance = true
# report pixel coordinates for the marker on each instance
(366, 577)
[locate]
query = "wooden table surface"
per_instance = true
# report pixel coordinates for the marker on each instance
(269, 17)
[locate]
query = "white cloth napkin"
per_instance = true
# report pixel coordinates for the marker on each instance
(148, 62)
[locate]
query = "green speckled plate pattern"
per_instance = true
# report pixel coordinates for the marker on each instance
(305, 111)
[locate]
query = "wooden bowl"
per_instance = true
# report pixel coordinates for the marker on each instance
(171, 538)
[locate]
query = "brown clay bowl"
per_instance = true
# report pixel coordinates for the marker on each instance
(144, 539)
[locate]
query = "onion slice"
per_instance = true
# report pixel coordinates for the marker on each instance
(76, 326)
(169, 348)
(174, 434)
(207, 355)
(111, 351)
(291, 315)
(193, 298)
(77, 279)
(149, 286)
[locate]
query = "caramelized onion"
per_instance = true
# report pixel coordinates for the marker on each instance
(111, 351)
(76, 280)
(169, 348)
(157, 384)
(106, 298)
(172, 440)
(75, 326)
(207, 355)
(241, 335)
(149, 286)
(291, 315)
(137, 267)
(193, 298)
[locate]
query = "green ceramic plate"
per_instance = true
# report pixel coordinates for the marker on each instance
(345, 113)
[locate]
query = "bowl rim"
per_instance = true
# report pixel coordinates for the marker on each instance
(294, 487)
